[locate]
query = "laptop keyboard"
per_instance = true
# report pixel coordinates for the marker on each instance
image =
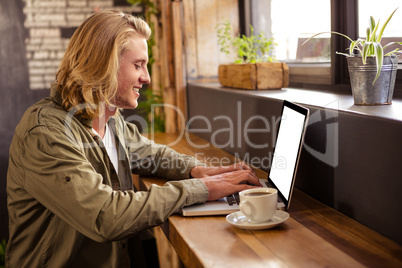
(233, 199)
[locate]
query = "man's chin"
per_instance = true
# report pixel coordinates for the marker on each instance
(131, 106)
(128, 106)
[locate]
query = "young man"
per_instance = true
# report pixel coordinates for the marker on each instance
(71, 200)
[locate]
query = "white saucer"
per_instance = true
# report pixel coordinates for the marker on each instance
(239, 220)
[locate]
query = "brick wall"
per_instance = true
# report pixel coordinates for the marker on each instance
(49, 25)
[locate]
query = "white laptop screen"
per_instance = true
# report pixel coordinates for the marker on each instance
(287, 148)
(283, 168)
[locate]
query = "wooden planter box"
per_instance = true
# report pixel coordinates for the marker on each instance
(265, 75)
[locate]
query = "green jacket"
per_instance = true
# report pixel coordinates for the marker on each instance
(68, 207)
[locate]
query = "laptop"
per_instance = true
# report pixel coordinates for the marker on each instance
(284, 162)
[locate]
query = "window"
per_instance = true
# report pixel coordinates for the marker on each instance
(291, 28)
(316, 64)
(381, 12)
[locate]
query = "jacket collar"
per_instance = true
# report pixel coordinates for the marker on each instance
(56, 96)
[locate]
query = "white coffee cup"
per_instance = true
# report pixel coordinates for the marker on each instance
(259, 204)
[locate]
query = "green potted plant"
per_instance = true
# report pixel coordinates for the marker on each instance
(150, 107)
(372, 74)
(253, 67)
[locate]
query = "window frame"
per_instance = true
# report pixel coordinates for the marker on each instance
(333, 76)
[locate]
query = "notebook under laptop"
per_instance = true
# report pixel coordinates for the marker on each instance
(286, 154)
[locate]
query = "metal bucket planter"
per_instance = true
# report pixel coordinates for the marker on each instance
(362, 77)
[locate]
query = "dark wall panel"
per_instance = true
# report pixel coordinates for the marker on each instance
(14, 88)
(350, 161)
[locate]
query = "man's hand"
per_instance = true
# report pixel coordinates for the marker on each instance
(231, 182)
(204, 171)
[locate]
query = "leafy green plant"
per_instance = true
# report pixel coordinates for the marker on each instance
(370, 46)
(252, 49)
(152, 107)
(3, 253)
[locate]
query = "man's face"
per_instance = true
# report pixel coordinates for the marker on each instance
(133, 73)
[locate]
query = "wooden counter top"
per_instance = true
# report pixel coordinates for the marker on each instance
(315, 235)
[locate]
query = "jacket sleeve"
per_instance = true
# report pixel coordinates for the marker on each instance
(59, 176)
(149, 158)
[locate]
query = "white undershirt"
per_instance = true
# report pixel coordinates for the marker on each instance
(110, 146)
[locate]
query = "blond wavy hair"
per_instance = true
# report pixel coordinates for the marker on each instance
(88, 71)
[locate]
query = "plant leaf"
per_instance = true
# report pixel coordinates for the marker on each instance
(395, 51)
(368, 33)
(350, 39)
(391, 43)
(366, 49)
(373, 33)
(383, 27)
(371, 24)
(359, 43)
(379, 55)
(352, 46)
(344, 54)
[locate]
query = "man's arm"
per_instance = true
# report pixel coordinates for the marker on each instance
(58, 174)
(151, 159)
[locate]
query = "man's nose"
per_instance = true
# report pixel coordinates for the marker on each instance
(145, 78)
